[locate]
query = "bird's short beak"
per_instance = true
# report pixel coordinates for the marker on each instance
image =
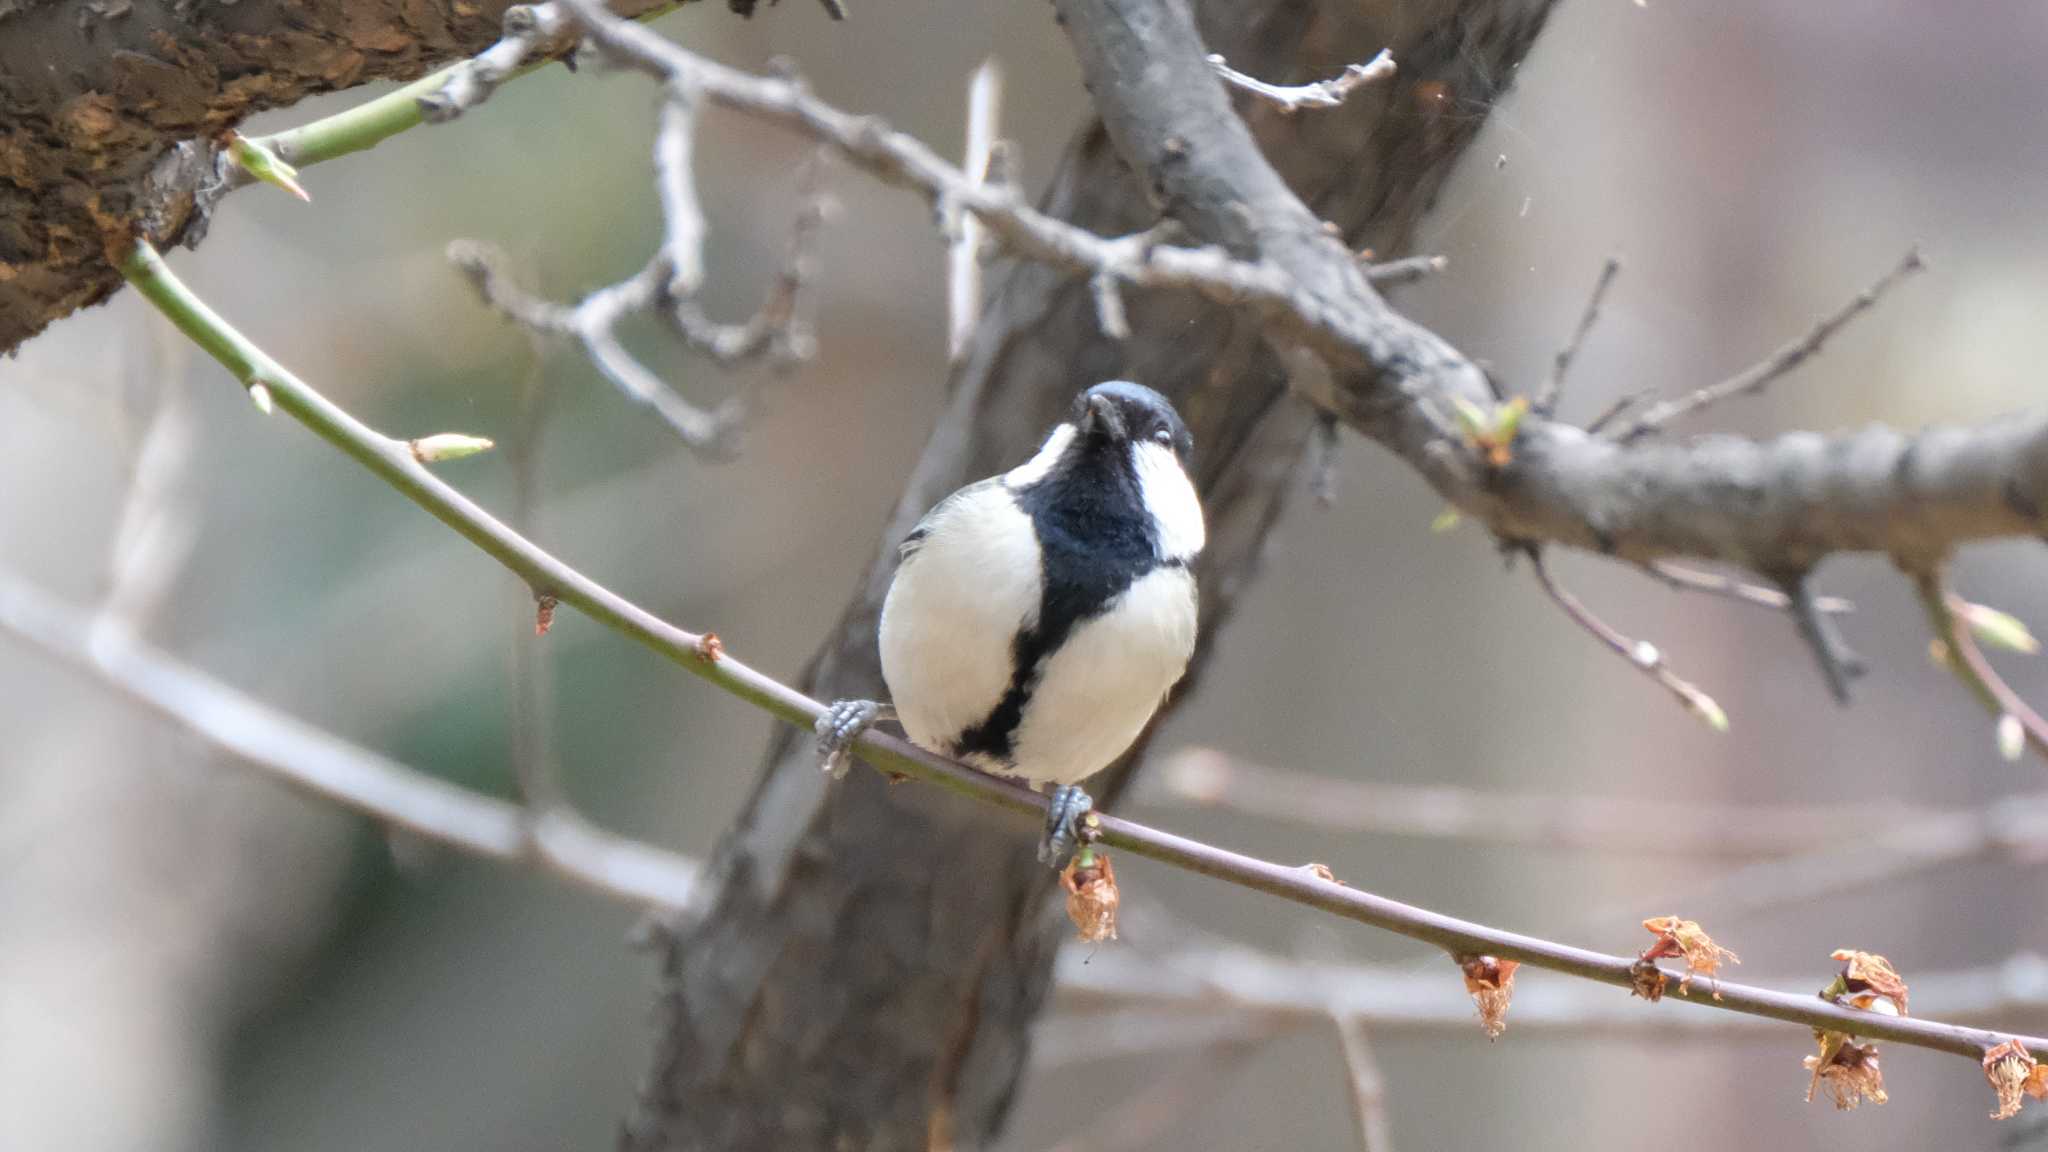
(1104, 419)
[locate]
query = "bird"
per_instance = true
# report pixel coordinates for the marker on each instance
(1038, 618)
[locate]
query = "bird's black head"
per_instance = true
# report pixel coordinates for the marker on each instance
(1127, 412)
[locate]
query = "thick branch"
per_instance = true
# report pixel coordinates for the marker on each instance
(1777, 505)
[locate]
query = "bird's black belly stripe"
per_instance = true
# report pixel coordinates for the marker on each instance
(1095, 540)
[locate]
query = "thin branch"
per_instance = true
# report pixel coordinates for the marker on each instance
(1195, 993)
(1784, 360)
(1320, 94)
(963, 254)
(391, 461)
(330, 768)
(682, 217)
(1208, 778)
(1687, 579)
(1962, 656)
(1641, 655)
(1839, 663)
(1407, 270)
(1368, 1086)
(1553, 385)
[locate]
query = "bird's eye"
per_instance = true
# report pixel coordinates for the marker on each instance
(1164, 437)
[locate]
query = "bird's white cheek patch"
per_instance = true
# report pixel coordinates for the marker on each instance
(1172, 502)
(1038, 467)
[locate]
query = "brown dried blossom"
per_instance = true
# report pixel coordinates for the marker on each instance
(1676, 937)
(2014, 1072)
(1091, 895)
(1869, 980)
(1491, 983)
(1849, 1070)
(543, 614)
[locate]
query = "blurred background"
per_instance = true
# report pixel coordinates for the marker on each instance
(193, 956)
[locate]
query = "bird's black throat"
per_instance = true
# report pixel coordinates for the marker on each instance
(1095, 539)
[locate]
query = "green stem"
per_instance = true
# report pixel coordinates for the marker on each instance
(364, 126)
(374, 121)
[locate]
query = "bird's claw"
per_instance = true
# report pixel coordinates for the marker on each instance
(839, 726)
(1063, 814)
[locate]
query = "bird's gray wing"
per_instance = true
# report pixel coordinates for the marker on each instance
(912, 542)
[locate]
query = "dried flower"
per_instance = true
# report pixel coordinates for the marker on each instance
(2009, 1067)
(710, 647)
(1491, 983)
(1870, 982)
(1091, 895)
(1848, 1069)
(543, 613)
(1647, 980)
(1676, 937)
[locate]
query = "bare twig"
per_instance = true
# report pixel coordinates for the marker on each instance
(1839, 663)
(668, 285)
(1368, 1086)
(1208, 778)
(1715, 584)
(1195, 994)
(1782, 361)
(328, 767)
(963, 254)
(1553, 384)
(1407, 270)
(1320, 94)
(1962, 656)
(1642, 655)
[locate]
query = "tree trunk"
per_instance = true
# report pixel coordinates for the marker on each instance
(866, 974)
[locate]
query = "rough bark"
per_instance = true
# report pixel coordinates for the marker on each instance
(867, 971)
(95, 99)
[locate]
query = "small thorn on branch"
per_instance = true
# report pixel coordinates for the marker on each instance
(1320, 94)
(1781, 362)
(1553, 385)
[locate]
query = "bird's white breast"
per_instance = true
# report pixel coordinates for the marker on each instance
(953, 610)
(1098, 691)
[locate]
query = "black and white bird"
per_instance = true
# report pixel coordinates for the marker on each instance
(1038, 618)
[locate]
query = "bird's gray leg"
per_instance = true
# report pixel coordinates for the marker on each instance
(840, 725)
(1063, 813)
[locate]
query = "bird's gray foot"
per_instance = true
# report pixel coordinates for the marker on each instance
(1063, 813)
(839, 726)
